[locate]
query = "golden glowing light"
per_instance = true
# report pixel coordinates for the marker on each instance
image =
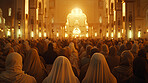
(4, 20)
(32, 34)
(12, 29)
(9, 10)
(8, 33)
(66, 35)
(40, 34)
(76, 31)
(37, 14)
(114, 15)
(45, 34)
(123, 9)
(139, 34)
(100, 19)
(86, 27)
(76, 11)
(147, 30)
(57, 34)
(19, 31)
(112, 34)
(119, 35)
(26, 6)
(130, 34)
(2, 30)
(122, 30)
(108, 18)
(65, 27)
(95, 34)
(107, 34)
(0, 20)
(86, 34)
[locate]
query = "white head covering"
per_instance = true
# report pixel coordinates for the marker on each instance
(14, 73)
(61, 72)
(98, 71)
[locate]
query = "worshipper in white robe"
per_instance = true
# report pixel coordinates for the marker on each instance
(61, 72)
(98, 71)
(13, 72)
(33, 65)
(74, 60)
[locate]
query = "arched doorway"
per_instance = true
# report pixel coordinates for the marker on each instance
(76, 25)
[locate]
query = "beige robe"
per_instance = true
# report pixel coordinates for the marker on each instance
(33, 66)
(14, 73)
(61, 72)
(98, 71)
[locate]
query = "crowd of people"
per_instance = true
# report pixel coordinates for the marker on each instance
(73, 61)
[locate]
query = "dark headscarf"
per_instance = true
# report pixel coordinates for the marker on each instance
(50, 55)
(94, 50)
(128, 46)
(125, 70)
(142, 53)
(121, 49)
(139, 67)
(112, 51)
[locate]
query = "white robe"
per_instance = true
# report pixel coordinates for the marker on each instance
(98, 71)
(61, 72)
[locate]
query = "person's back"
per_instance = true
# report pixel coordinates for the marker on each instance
(50, 55)
(124, 71)
(112, 59)
(61, 72)
(140, 74)
(98, 71)
(14, 73)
